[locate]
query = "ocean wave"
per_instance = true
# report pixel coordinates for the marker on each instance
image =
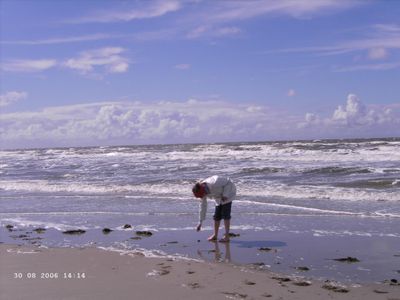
(338, 170)
(350, 156)
(261, 170)
(181, 190)
(378, 183)
(88, 213)
(44, 186)
(270, 189)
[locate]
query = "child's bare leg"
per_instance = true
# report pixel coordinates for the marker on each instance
(227, 224)
(214, 237)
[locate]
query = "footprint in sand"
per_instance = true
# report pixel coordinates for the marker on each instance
(194, 285)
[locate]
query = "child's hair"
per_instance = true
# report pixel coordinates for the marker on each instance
(196, 188)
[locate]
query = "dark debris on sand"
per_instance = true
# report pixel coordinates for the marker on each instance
(39, 230)
(392, 282)
(144, 233)
(258, 264)
(266, 249)
(348, 259)
(74, 232)
(302, 283)
(281, 279)
(231, 234)
(332, 286)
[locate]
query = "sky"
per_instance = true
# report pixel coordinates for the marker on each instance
(85, 73)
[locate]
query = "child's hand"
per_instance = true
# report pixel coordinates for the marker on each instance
(198, 228)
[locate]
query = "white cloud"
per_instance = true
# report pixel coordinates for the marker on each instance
(28, 65)
(133, 123)
(354, 113)
(214, 19)
(245, 9)
(357, 119)
(213, 31)
(11, 97)
(182, 66)
(160, 34)
(377, 42)
(291, 93)
(211, 17)
(369, 67)
(63, 40)
(312, 118)
(147, 9)
(190, 121)
(218, 12)
(387, 27)
(198, 31)
(225, 31)
(377, 53)
(108, 58)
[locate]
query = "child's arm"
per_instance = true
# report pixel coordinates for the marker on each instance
(202, 212)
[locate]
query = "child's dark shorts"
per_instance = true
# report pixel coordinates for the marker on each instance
(223, 211)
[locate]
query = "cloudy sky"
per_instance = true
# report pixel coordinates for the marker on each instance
(78, 73)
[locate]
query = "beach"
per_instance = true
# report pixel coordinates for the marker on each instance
(90, 273)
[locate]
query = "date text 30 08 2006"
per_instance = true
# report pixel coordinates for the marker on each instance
(50, 275)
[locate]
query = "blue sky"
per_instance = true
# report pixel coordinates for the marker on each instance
(130, 72)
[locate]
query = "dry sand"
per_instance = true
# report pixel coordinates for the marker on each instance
(110, 275)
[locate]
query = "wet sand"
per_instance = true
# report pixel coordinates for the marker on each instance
(31, 272)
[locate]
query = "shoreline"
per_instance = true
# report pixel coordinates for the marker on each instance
(301, 253)
(285, 252)
(93, 273)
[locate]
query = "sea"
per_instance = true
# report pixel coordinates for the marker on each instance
(309, 202)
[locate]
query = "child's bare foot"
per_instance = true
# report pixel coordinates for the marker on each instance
(213, 238)
(225, 239)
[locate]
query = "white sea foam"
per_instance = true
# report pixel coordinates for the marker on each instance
(23, 222)
(46, 186)
(301, 208)
(273, 189)
(233, 227)
(353, 233)
(152, 253)
(20, 251)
